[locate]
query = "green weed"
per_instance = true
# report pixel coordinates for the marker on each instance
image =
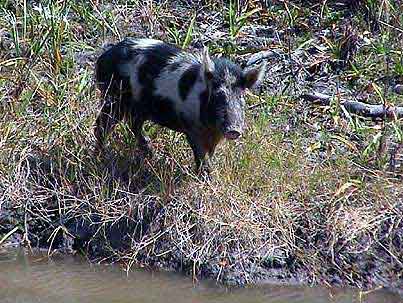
(237, 19)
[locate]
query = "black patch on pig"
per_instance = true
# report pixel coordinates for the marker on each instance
(108, 76)
(156, 59)
(123, 51)
(164, 113)
(204, 107)
(107, 65)
(187, 81)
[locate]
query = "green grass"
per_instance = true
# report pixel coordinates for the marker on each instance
(307, 184)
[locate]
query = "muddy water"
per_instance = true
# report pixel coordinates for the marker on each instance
(30, 278)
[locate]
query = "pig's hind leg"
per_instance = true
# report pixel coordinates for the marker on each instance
(136, 125)
(109, 116)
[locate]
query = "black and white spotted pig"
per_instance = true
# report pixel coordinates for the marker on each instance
(145, 79)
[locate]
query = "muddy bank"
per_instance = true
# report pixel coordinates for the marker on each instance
(147, 238)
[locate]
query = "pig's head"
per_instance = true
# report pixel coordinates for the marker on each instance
(226, 83)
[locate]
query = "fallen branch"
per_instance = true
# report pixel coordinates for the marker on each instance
(358, 108)
(260, 56)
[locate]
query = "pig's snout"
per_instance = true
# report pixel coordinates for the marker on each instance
(234, 122)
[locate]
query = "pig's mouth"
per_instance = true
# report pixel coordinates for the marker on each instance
(232, 135)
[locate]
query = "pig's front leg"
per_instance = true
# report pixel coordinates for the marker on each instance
(202, 163)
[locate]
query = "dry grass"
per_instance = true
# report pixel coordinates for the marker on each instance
(309, 192)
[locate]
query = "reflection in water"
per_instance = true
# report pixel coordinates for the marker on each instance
(27, 279)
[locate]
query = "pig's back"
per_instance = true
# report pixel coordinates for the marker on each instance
(142, 58)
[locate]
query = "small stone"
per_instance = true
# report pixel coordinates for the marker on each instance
(398, 89)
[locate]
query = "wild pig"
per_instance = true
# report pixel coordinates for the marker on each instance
(202, 97)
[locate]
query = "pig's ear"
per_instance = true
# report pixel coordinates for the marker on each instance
(207, 66)
(253, 76)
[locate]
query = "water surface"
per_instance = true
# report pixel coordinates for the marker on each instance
(29, 278)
